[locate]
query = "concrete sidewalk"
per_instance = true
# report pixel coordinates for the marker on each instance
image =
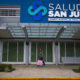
(45, 71)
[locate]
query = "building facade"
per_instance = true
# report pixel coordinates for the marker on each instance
(25, 27)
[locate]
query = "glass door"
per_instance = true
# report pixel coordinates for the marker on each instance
(46, 51)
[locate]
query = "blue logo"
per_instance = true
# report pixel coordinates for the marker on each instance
(37, 10)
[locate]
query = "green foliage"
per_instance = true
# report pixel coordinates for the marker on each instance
(76, 70)
(6, 68)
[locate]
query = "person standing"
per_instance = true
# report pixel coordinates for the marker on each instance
(41, 56)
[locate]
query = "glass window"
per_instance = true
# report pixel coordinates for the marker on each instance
(69, 49)
(46, 51)
(42, 45)
(9, 12)
(49, 52)
(4, 56)
(77, 49)
(13, 51)
(12, 55)
(62, 50)
(20, 51)
(33, 52)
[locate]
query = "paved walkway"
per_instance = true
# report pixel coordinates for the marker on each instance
(46, 71)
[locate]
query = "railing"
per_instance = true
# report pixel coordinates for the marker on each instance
(71, 60)
(9, 12)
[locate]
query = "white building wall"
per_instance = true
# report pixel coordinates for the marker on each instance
(1, 49)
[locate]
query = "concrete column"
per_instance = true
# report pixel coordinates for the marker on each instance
(57, 53)
(29, 53)
(53, 52)
(26, 53)
(1, 50)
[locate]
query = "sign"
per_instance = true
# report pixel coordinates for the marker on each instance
(47, 11)
(37, 10)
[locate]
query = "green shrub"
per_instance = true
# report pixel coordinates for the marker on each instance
(6, 68)
(76, 70)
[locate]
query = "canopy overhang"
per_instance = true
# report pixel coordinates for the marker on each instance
(37, 31)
